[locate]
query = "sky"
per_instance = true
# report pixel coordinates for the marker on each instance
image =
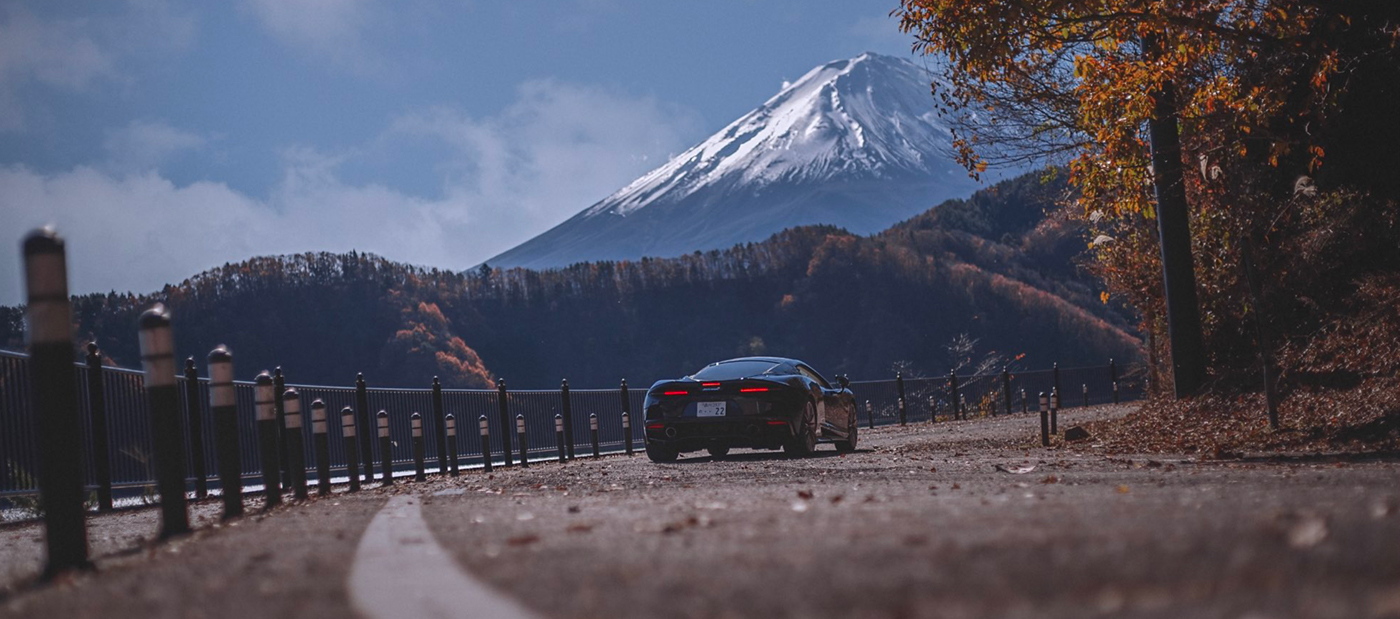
(166, 138)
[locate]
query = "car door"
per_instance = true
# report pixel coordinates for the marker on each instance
(832, 412)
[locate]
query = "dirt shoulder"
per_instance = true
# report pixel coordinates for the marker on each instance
(291, 562)
(1363, 418)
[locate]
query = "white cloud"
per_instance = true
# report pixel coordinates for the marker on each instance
(556, 150)
(505, 178)
(331, 29)
(57, 54)
(139, 232)
(71, 54)
(144, 144)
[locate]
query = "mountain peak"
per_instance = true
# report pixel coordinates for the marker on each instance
(854, 142)
(868, 116)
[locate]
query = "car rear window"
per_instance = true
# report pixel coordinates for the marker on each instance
(741, 369)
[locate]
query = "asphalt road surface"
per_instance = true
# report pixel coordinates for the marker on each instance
(960, 519)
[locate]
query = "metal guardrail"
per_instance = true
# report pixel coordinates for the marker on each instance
(129, 432)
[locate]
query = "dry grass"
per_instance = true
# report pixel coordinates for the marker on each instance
(1361, 419)
(1340, 386)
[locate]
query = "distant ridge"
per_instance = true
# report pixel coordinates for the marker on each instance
(991, 266)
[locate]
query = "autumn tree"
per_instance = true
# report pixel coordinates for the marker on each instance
(1281, 128)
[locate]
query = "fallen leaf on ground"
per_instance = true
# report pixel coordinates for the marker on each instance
(523, 540)
(1307, 532)
(1020, 470)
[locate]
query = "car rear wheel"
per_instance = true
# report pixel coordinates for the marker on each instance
(718, 452)
(658, 453)
(849, 445)
(805, 442)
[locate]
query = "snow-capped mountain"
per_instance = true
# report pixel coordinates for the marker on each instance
(854, 143)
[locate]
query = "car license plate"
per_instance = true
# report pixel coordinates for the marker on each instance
(709, 409)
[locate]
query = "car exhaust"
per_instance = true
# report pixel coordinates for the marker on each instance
(671, 432)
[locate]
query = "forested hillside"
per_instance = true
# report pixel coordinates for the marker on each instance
(993, 267)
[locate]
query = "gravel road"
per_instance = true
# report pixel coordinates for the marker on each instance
(960, 519)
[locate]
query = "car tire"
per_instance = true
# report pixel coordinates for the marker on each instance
(718, 452)
(657, 453)
(805, 442)
(849, 445)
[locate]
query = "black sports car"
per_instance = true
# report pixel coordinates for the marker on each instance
(757, 402)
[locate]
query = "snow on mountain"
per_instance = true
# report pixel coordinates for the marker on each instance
(853, 143)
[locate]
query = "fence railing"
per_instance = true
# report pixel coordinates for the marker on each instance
(985, 394)
(128, 435)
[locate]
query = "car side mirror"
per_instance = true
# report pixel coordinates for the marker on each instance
(845, 382)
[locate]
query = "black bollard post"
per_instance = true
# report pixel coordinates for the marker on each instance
(1086, 394)
(559, 436)
(626, 410)
(870, 414)
(416, 424)
(520, 433)
(593, 429)
(962, 407)
(954, 399)
(386, 450)
(501, 397)
(195, 413)
(627, 432)
(1006, 387)
(441, 426)
(1044, 420)
(321, 440)
(264, 396)
(485, 428)
(449, 426)
(1055, 369)
(1113, 378)
(55, 401)
(1025, 406)
(899, 383)
(932, 409)
(223, 405)
(568, 417)
(97, 409)
(1055, 412)
(366, 427)
(292, 439)
(167, 437)
(352, 447)
(280, 383)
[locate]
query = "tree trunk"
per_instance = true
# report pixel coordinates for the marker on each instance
(1178, 270)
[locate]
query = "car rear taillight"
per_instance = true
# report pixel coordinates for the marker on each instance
(709, 386)
(775, 422)
(753, 389)
(655, 426)
(675, 393)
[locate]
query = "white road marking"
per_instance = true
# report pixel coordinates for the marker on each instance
(400, 571)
